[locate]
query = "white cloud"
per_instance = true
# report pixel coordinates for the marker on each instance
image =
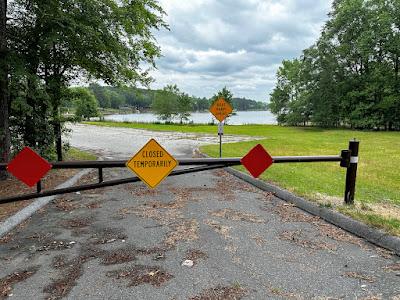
(237, 43)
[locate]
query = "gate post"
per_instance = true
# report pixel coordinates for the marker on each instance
(351, 173)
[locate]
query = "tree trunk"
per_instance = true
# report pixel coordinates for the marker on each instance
(30, 135)
(5, 143)
(58, 134)
(53, 87)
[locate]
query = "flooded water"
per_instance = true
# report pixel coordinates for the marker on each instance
(241, 118)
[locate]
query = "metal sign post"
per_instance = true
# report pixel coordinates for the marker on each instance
(221, 109)
(220, 133)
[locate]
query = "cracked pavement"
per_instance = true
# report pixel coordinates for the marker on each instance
(129, 242)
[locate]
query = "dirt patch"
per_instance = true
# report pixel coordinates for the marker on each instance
(108, 257)
(78, 222)
(145, 211)
(221, 293)
(181, 194)
(283, 293)
(195, 255)
(10, 236)
(221, 229)
(41, 236)
(295, 237)
(376, 298)
(236, 215)
(107, 235)
(56, 245)
(384, 209)
(140, 190)
(7, 238)
(185, 230)
(338, 234)
(90, 178)
(139, 274)
(93, 205)
(7, 283)
(226, 179)
(288, 213)
(12, 187)
(259, 240)
(68, 205)
(181, 198)
(360, 276)
(59, 261)
(71, 271)
(119, 256)
(64, 204)
(394, 267)
(151, 250)
(168, 213)
(387, 254)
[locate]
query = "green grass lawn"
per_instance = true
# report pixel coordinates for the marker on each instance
(77, 154)
(378, 178)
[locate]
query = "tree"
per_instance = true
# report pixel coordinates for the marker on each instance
(350, 76)
(184, 107)
(86, 105)
(290, 99)
(224, 93)
(101, 39)
(99, 93)
(227, 95)
(166, 102)
(4, 107)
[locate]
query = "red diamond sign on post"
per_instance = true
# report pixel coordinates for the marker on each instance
(257, 161)
(28, 166)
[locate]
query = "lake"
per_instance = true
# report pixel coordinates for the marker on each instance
(241, 118)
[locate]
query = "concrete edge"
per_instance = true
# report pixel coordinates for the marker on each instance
(11, 222)
(374, 236)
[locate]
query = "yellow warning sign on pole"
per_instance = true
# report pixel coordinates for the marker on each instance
(152, 163)
(221, 109)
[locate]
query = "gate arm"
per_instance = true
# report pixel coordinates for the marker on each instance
(184, 162)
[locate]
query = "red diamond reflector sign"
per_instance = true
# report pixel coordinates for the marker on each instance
(257, 161)
(28, 166)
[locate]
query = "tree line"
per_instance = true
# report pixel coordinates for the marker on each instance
(350, 76)
(47, 45)
(143, 99)
(168, 103)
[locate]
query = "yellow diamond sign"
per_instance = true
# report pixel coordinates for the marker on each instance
(221, 109)
(152, 163)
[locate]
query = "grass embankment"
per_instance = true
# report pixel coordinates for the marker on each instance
(12, 186)
(378, 181)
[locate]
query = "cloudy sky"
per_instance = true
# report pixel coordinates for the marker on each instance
(237, 43)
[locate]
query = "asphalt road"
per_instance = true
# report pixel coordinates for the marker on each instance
(124, 142)
(129, 242)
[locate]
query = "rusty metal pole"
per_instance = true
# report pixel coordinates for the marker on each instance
(351, 174)
(101, 175)
(39, 186)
